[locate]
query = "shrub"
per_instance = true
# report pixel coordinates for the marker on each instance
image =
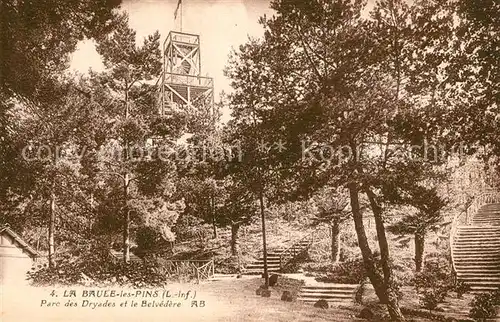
(430, 299)
(435, 275)
(350, 272)
(94, 265)
(433, 284)
(147, 238)
(426, 315)
(483, 306)
(461, 288)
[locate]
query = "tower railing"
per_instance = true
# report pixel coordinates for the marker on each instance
(464, 218)
(182, 37)
(186, 79)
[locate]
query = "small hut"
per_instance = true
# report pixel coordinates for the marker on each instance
(16, 257)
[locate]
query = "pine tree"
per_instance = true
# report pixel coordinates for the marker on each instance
(143, 174)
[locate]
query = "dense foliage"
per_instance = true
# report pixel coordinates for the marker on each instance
(350, 108)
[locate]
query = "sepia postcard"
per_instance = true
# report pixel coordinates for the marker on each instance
(249, 160)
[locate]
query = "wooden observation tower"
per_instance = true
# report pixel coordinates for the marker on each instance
(181, 82)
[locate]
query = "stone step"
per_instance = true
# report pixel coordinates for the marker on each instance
(331, 302)
(483, 236)
(490, 230)
(333, 293)
(465, 271)
(480, 237)
(482, 289)
(308, 290)
(333, 286)
(477, 240)
(478, 272)
(486, 221)
(258, 271)
(489, 244)
(486, 284)
(474, 228)
(484, 266)
(477, 244)
(462, 263)
(261, 267)
(491, 215)
(223, 277)
(478, 248)
(478, 232)
(484, 277)
(327, 295)
(478, 259)
(470, 258)
(485, 251)
(269, 259)
(473, 256)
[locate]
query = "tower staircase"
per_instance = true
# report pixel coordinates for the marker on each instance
(279, 258)
(475, 243)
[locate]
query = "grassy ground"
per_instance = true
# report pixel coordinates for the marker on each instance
(231, 300)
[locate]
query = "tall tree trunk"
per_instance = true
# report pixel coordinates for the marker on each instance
(126, 182)
(264, 245)
(235, 244)
(91, 215)
(335, 228)
(126, 221)
(391, 291)
(212, 207)
(368, 261)
(52, 229)
(419, 250)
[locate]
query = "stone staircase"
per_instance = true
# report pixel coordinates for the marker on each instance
(334, 294)
(476, 248)
(278, 258)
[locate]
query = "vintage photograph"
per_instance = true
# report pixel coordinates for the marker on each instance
(249, 160)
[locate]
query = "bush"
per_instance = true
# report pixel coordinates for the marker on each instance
(461, 288)
(429, 299)
(426, 315)
(483, 306)
(433, 284)
(228, 265)
(147, 238)
(350, 272)
(94, 265)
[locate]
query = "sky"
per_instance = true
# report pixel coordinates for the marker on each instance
(221, 24)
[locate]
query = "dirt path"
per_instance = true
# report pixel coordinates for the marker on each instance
(223, 301)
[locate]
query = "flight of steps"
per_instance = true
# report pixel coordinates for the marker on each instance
(334, 294)
(273, 259)
(476, 250)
